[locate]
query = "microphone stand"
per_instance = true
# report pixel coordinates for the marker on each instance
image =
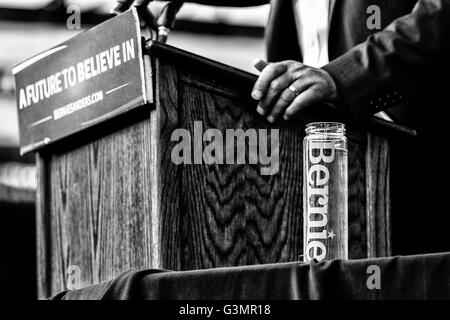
(165, 22)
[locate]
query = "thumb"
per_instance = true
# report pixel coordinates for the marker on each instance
(259, 64)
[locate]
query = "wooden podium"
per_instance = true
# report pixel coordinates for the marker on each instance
(110, 199)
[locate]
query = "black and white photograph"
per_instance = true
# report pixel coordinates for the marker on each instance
(225, 155)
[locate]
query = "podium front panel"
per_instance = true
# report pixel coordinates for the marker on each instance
(113, 200)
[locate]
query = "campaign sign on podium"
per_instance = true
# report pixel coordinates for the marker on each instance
(88, 79)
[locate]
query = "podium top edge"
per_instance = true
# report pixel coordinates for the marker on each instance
(159, 49)
(180, 56)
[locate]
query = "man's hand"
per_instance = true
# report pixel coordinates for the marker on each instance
(285, 89)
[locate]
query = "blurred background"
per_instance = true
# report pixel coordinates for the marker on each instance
(27, 27)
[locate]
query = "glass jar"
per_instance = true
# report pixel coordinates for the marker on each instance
(325, 194)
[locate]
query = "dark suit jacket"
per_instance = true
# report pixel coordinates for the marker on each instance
(399, 69)
(375, 70)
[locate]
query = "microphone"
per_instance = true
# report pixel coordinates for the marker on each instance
(124, 5)
(142, 3)
(166, 20)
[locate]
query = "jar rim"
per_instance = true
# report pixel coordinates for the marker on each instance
(325, 128)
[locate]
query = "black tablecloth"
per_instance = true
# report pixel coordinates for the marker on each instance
(412, 277)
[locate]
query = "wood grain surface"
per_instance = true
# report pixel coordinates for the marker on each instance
(378, 204)
(230, 214)
(96, 209)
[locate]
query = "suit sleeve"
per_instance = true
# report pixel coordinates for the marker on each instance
(390, 65)
(231, 3)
